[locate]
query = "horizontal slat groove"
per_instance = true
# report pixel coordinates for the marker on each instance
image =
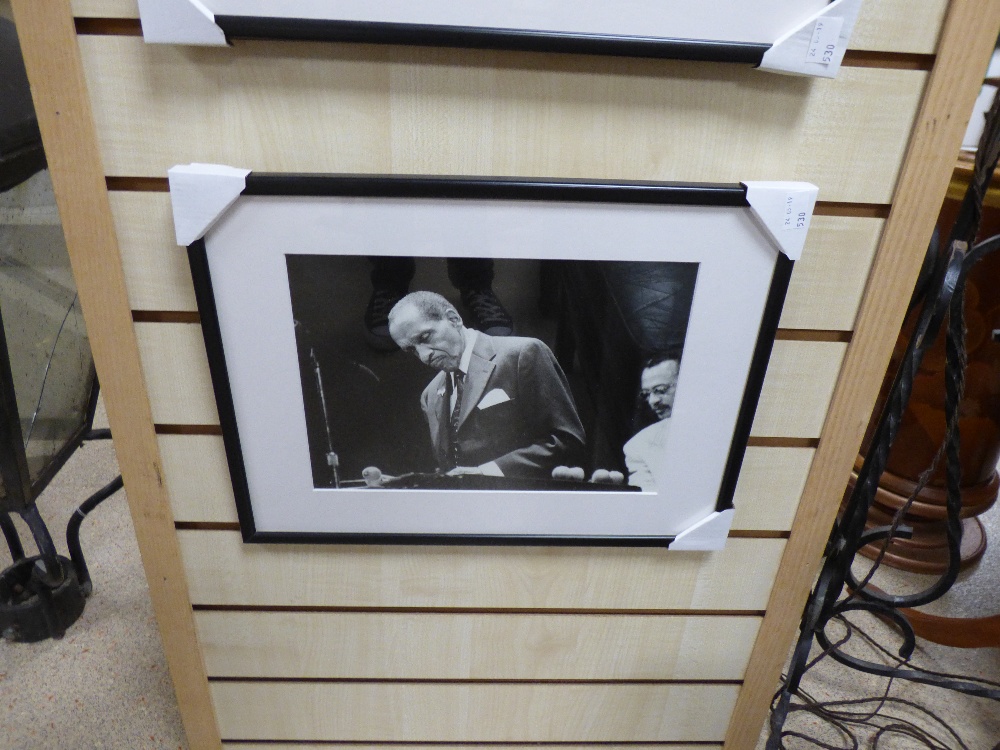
(584, 612)
(387, 681)
(226, 526)
(782, 442)
(138, 184)
(206, 526)
(165, 316)
(783, 334)
(187, 429)
(808, 334)
(892, 60)
(108, 27)
(279, 744)
(852, 210)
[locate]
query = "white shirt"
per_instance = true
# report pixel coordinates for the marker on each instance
(470, 335)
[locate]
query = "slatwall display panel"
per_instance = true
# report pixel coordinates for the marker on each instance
(294, 107)
(824, 292)
(196, 473)
(366, 645)
(222, 570)
(793, 402)
(477, 646)
(883, 25)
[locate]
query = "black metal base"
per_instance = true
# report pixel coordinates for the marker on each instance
(33, 608)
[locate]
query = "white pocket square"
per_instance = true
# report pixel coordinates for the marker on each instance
(494, 397)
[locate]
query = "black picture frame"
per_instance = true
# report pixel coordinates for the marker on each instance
(400, 190)
(807, 37)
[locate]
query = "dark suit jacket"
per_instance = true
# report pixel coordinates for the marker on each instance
(531, 432)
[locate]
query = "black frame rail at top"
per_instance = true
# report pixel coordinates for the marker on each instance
(474, 37)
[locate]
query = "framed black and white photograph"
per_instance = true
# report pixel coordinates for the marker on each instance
(491, 360)
(804, 37)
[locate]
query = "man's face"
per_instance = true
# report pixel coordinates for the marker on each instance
(436, 343)
(659, 383)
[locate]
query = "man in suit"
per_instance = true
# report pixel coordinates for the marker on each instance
(498, 406)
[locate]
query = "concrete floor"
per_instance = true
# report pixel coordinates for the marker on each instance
(105, 685)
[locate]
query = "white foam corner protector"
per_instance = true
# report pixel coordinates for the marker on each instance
(784, 210)
(817, 47)
(708, 534)
(179, 22)
(200, 194)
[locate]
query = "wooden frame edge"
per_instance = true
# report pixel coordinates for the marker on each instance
(49, 45)
(968, 38)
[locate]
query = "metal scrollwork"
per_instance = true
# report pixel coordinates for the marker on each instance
(838, 590)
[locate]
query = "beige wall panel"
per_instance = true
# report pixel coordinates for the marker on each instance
(473, 712)
(479, 647)
(770, 485)
(616, 118)
(796, 390)
(829, 279)
(798, 387)
(183, 104)
(177, 377)
(888, 25)
(157, 274)
(824, 293)
(349, 108)
(224, 570)
(197, 477)
(899, 25)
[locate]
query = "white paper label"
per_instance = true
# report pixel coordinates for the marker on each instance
(797, 212)
(825, 41)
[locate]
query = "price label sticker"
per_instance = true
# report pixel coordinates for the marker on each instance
(825, 41)
(797, 212)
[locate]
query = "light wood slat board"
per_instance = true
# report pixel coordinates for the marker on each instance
(829, 280)
(885, 25)
(899, 25)
(793, 402)
(477, 647)
(769, 487)
(224, 571)
(797, 389)
(824, 293)
(177, 374)
(349, 108)
(197, 477)
(472, 712)
(156, 269)
(47, 35)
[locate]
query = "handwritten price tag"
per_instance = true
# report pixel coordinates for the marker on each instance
(825, 41)
(797, 212)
